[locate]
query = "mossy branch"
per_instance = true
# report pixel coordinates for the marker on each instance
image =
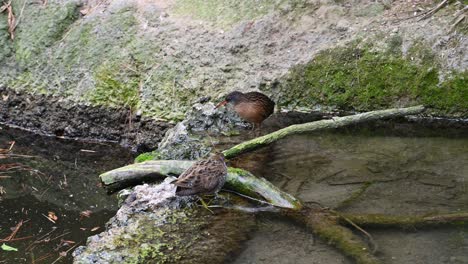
(238, 180)
(319, 125)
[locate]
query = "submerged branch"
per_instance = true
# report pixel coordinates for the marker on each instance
(324, 224)
(380, 220)
(319, 125)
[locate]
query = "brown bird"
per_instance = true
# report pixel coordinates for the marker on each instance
(254, 107)
(204, 177)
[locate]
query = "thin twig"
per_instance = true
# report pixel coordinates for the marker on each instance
(64, 234)
(16, 239)
(460, 19)
(48, 218)
(66, 252)
(41, 238)
(20, 15)
(248, 197)
(13, 234)
(433, 10)
(371, 239)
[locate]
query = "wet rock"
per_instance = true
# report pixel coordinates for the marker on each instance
(190, 139)
(155, 226)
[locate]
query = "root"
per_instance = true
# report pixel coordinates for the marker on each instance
(324, 224)
(405, 222)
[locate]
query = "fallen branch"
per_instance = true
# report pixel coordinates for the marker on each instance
(238, 180)
(319, 125)
(433, 10)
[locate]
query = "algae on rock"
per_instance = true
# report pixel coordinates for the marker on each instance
(152, 226)
(358, 78)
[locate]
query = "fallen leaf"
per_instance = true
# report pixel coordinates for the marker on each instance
(63, 254)
(5, 97)
(8, 248)
(52, 216)
(94, 228)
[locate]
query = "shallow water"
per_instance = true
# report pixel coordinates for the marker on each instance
(393, 169)
(386, 170)
(58, 176)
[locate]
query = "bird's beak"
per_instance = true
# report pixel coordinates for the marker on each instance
(221, 104)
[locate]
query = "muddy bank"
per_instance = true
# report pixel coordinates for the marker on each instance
(53, 116)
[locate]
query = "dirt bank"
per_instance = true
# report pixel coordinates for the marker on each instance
(51, 115)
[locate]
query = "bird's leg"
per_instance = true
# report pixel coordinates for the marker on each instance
(205, 205)
(257, 129)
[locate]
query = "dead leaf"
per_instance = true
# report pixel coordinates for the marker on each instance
(5, 97)
(52, 216)
(94, 228)
(63, 253)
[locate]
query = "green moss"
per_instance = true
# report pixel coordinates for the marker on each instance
(451, 96)
(357, 78)
(226, 13)
(115, 89)
(44, 26)
(6, 44)
(148, 156)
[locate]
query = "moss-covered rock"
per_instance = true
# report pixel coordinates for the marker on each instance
(226, 13)
(358, 78)
(154, 226)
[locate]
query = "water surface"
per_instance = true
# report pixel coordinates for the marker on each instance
(52, 176)
(397, 169)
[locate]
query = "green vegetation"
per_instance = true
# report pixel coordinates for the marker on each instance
(358, 78)
(147, 156)
(45, 25)
(226, 13)
(111, 91)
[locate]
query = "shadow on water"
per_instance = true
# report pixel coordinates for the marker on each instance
(53, 177)
(398, 168)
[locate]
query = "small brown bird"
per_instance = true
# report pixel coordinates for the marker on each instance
(204, 177)
(254, 107)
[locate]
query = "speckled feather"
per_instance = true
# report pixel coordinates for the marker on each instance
(204, 177)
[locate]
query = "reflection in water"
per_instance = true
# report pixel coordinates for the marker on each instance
(59, 177)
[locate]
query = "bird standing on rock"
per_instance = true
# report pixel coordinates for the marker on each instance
(204, 177)
(254, 107)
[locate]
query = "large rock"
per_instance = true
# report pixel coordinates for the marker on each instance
(155, 226)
